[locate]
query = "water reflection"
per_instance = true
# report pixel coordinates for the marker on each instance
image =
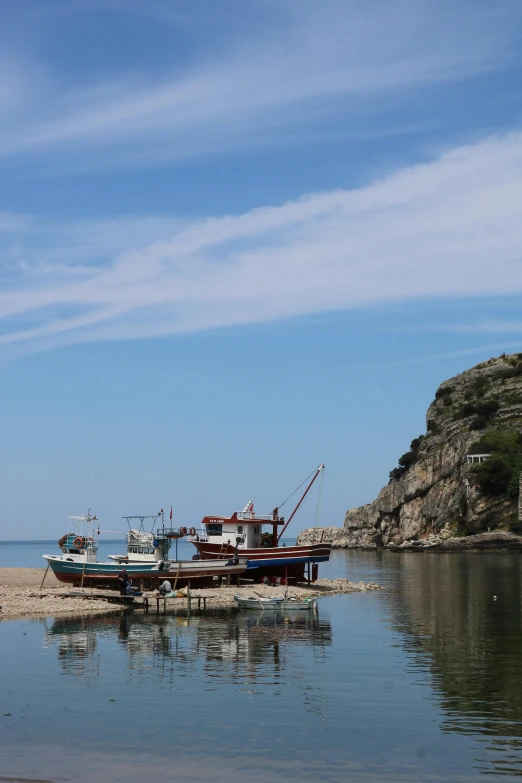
(241, 647)
(461, 618)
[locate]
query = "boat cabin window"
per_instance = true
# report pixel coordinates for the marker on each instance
(240, 529)
(214, 530)
(256, 529)
(140, 550)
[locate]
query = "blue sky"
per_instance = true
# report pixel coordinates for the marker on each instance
(241, 238)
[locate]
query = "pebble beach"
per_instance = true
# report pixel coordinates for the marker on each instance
(22, 596)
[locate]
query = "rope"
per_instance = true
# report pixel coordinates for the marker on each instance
(297, 489)
(319, 501)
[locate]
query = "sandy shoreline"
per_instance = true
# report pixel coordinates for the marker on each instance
(21, 595)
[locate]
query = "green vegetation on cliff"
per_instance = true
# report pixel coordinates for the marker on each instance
(499, 473)
(435, 492)
(407, 459)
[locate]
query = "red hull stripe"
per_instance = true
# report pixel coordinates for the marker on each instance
(212, 551)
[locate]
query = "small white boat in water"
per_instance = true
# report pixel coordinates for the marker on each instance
(277, 604)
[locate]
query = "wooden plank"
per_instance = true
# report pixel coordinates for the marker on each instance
(100, 597)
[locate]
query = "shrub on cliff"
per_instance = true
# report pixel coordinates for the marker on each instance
(500, 473)
(407, 459)
(483, 410)
(444, 392)
(494, 475)
(499, 440)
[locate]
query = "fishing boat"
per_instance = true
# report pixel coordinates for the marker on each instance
(152, 574)
(78, 545)
(276, 604)
(78, 563)
(221, 537)
(142, 546)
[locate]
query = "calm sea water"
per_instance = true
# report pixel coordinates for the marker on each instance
(28, 554)
(421, 682)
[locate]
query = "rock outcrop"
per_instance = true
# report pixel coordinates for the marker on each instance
(435, 494)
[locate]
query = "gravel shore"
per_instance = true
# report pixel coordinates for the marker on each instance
(21, 595)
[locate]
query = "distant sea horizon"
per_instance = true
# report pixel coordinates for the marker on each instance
(28, 553)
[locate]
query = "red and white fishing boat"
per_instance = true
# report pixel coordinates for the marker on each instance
(243, 533)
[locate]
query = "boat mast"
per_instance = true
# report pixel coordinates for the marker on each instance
(305, 493)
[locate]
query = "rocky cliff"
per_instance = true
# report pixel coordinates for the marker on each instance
(435, 493)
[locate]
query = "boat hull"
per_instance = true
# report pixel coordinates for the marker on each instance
(107, 573)
(272, 561)
(271, 604)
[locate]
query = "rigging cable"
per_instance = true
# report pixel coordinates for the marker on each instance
(297, 488)
(319, 500)
(318, 509)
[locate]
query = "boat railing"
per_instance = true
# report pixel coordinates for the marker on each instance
(198, 537)
(254, 517)
(189, 534)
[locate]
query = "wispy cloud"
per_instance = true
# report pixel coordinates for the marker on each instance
(483, 326)
(310, 63)
(450, 228)
(489, 350)
(12, 222)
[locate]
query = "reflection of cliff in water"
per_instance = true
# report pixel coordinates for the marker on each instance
(471, 642)
(240, 647)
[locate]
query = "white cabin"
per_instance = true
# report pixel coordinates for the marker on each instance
(243, 529)
(141, 548)
(78, 545)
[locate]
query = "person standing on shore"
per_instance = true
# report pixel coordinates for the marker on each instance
(123, 579)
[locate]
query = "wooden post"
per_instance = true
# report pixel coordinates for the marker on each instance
(188, 598)
(43, 580)
(83, 573)
(308, 574)
(176, 579)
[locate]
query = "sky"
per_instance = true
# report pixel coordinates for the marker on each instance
(238, 239)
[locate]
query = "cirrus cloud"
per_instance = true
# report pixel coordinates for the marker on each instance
(448, 228)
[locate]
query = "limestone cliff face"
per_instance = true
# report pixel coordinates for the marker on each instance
(434, 491)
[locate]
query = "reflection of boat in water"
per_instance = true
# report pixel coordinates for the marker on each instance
(240, 639)
(276, 604)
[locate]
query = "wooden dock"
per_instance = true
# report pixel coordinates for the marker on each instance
(144, 603)
(113, 598)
